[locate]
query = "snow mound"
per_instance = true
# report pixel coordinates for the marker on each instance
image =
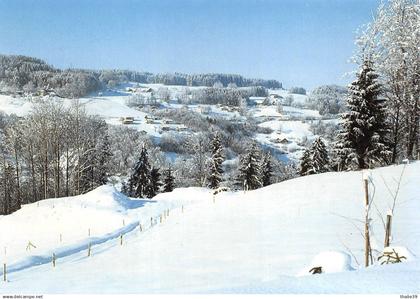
(107, 197)
(330, 262)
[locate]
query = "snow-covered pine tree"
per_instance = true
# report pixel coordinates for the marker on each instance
(362, 138)
(392, 40)
(154, 187)
(216, 161)
(319, 157)
(266, 170)
(305, 162)
(168, 180)
(249, 169)
(140, 178)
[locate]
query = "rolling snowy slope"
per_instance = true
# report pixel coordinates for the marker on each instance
(258, 242)
(111, 105)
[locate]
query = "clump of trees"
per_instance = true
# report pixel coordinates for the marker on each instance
(390, 42)
(328, 99)
(381, 121)
(217, 95)
(315, 159)
(30, 75)
(255, 169)
(297, 90)
(54, 151)
(230, 96)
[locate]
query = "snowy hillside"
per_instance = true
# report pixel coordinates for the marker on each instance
(112, 105)
(263, 241)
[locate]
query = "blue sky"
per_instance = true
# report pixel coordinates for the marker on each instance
(300, 43)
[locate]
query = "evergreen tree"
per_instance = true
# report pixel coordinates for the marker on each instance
(140, 178)
(362, 139)
(320, 160)
(168, 181)
(305, 162)
(153, 189)
(217, 158)
(266, 170)
(249, 169)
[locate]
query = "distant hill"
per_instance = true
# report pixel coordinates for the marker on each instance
(27, 74)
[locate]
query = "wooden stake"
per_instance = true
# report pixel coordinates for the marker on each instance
(53, 259)
(89, 249)
(4, 272)
(121, 239)
(141, 229)
(388, 230)
(89, 232)
(151, 221)
(367, 239)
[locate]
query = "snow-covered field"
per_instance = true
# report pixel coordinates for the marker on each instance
(263, 241)
(297, 98)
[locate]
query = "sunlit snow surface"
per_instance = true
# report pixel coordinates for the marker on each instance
(258, 242)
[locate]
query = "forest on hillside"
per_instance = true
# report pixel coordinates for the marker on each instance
(30, 75)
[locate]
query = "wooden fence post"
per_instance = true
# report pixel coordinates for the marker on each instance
(89, 249)
(388, 230)
(53, 259)
(367, 239)
(141, 229)
(4, 272)
(121, 239)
